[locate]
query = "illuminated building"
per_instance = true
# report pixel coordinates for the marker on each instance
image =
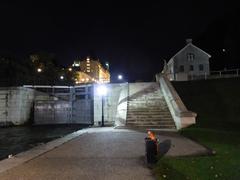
(84, 78)
(91, 71)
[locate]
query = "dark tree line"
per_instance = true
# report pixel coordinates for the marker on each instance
(37, 69)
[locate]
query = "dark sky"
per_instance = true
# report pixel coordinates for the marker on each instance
(133, 37)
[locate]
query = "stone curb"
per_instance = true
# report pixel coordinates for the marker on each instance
(25, 156)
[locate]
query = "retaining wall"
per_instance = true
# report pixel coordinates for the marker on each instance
(15, 105)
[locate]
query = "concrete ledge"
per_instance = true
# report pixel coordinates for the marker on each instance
(181, 115)
(25, 156)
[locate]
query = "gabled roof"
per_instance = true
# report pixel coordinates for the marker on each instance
(190, 44)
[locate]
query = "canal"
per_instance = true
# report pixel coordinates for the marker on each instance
(14, 140)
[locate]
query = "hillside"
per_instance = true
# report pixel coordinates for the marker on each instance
(217, 102)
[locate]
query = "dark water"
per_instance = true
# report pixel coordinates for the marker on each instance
(14, 140)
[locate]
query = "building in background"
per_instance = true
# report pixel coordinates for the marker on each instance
(84, 78)
(91, 71)
(189, 63)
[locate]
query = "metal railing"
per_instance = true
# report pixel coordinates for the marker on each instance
(225, 73)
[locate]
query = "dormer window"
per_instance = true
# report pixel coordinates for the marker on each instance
(190, 56)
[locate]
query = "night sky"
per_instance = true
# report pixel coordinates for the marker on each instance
(133, 37)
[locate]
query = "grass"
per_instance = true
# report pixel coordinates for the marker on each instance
(225, 164)
(217, 104)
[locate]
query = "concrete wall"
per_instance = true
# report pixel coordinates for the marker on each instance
(15, 105)
(115, 104)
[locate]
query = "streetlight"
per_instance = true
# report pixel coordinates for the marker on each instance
(39, 70)
(36, 77)
(120, 77)
(102, 91)
(61, 77)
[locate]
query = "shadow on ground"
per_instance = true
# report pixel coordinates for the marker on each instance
(164, 147)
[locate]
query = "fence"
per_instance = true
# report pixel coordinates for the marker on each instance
(226, 73)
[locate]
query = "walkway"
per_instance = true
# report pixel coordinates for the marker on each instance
(99, 153)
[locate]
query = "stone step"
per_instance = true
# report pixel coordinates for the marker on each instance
(147, 108)
(152, 98)
(150, 122)
(151, 108)
(148, 112)
(151, 126)
(146, 102)
(147, 105)
(149, 115)
(149, 119)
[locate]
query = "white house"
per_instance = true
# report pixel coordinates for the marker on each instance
(189, 63)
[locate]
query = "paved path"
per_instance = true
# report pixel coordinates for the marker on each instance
(101, 153)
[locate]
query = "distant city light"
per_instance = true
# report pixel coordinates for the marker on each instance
(70, 69)
(39, 70)
(120, 77)
(82, 79)
(224, 50)
(76, 64)
(61, 77)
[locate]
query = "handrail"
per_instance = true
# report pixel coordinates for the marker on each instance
(181, 115)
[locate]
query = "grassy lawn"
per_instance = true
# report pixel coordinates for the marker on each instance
(217, 104)
(224, 165)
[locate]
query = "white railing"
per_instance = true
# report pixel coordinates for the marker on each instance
(226, 73)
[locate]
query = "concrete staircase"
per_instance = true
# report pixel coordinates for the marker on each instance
(148, 109)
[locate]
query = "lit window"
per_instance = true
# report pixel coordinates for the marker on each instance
(201, 67)
(181, 68)
(190, 56)
(88, 64)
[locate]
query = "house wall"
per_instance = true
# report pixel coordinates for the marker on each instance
(181, 59)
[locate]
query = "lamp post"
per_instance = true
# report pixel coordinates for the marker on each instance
(39, 70)
(102, 91)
